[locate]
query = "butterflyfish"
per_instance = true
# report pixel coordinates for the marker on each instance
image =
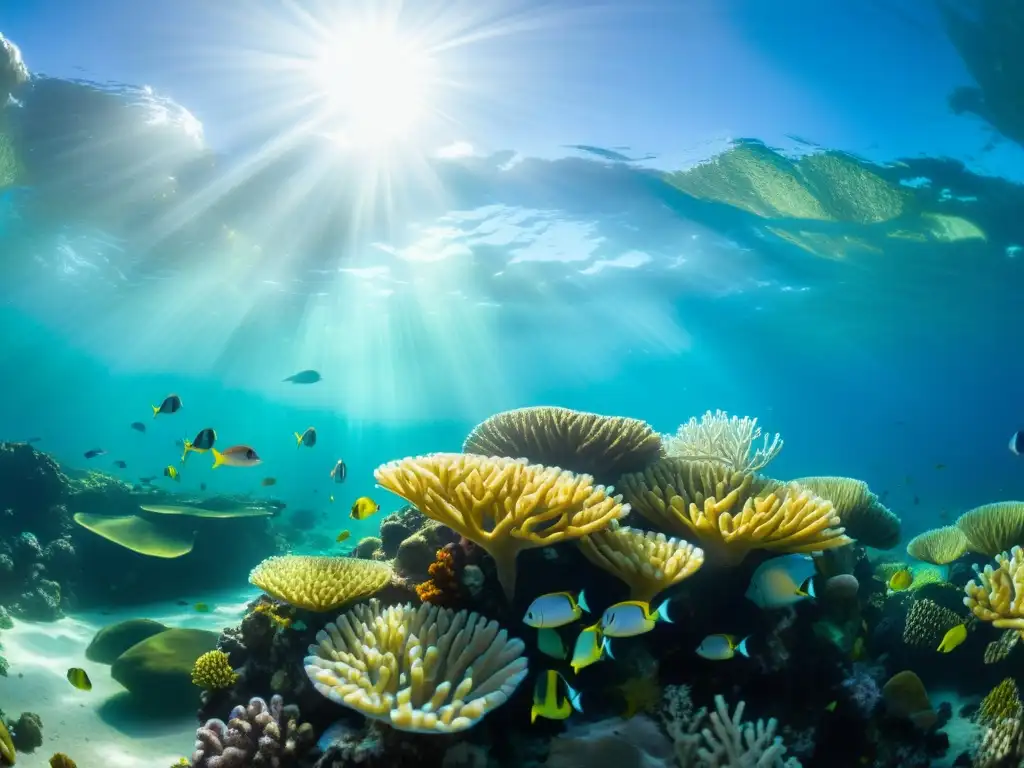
(307, 438)
(172, 473)
(590, 648)
(340, 472)
(632, 618)
(78, 678)
(171, 404)
(553, 697)
(236, 456)
(782, 581)
(722, 647)
(555, 610)
(363, 507)
(953, 638)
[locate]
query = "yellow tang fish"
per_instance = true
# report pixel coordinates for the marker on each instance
(953, 638)
(78, 678)
(590, 648)
(555, 610)
(343, 536)
(548, 699)
(901, 580)
(236, 456)
(631, 618)
(363, 507)
(172, 473)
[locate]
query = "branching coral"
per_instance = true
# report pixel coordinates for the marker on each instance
(256, 736)
(927, 622)
(718, 507)
(319, 583)
(993, 528)
(938, 546)
(425, 669)
(863, 516)
(648, 562)
(601, 446)
(503, 505)
(212, 671)
(443, 587)
(999, 597)
(719, 439)
(728, 742)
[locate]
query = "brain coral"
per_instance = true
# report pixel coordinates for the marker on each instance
(320, 583)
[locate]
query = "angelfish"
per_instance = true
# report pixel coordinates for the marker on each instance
(555, 610)
(722, 647)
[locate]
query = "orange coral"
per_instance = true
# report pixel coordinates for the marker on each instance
(442, 588)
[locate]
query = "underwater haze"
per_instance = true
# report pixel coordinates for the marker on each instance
(804, 213)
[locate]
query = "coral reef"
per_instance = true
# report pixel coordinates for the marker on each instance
(998, 595)
(213, 671)
(426, 669)
(397, 527)
(1002, 702)
(368, 547)
(863, 516)
(443, 587)
(927, 622)
(319, 583)
(719, 439)
(259, 735)
(113, 640)
(993, 528)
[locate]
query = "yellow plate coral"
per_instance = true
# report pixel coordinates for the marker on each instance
(319, 583)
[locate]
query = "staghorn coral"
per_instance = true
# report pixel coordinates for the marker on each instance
(1000, 649)
(256, 736)
(718, 507)
(648, 562)
(993, 528)
(212, 671)
(584, 443)
(906, 698)
(503, 505)
(725, 741)
(863, 516)
(999, 597)
(319, 583)
(927, 623)
(721, 440)
(425, 669)
(938, 546)
(1001, 702)
(443, 586)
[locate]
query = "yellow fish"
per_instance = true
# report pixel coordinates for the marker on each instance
(266, 482)
(953, 638)
(550, 701)
(236, 456)
(858, 650)
(590, 648)
(331, 499)
(78, 678)
(901, 580)
(171, 404)
(363, 507)
(343, 536)
(172, 473)
(632, 618)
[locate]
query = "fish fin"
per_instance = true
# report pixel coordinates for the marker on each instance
(574, 696)
(810, 588)
(218, 458)
(662, 613)
(742, 647)
(606, 648)
(533, 709)
(156, 410)
(581, 601)
(298, 439)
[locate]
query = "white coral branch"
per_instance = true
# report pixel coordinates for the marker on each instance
(723, 440)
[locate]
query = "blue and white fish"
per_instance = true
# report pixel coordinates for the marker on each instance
(555, 610)
(631, 618)
(782, 581)
(722, 647)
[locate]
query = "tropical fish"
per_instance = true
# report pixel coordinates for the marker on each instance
(307, 438)
(549, 642)
(553, 697)
(94, 453)
(172, 473)
(138, 426)
(78, 678)
(121, 464)
(901, 580)
(171, 404)
(917, 500)
(831, 706)
(299, 626)
(266, 482)
(236, 456)
(590, 648)
(953, 638)
(202, 486)
(203, 442)
(343, 536)
(722, 647)
(340, 471)
(304, 377)
(555, 610)
(1017, 443)
(202, 608)
(631, 618)
(363, 507)
(782, 581)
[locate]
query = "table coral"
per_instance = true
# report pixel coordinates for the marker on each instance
(319, 583)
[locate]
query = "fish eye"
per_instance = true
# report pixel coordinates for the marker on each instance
(250, 454)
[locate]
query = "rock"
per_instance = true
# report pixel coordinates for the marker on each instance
(27, 732)
(397, 527)
(27, 549)
(158, 670)
(59, 555)
(111, 641)
(41, 602)
(366, 548)
(415, 556)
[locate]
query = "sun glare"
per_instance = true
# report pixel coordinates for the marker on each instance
(377, 83)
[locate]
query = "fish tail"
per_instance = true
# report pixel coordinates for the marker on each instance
(156, 410)
(575, 697)
(218, 458)
(742, 647)
(810, 588)
(662, 613)
(581, 601)
(533, 709)
(298, 439)
(606, 648)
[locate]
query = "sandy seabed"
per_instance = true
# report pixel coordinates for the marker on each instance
(99, 728)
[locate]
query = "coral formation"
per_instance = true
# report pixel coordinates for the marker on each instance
(648, 563)
(319, 583)
(927, 622)
(138, 534)
(603, 447)
(60, 760)
(1000, 649)
(8, 753)
(368, 547)
(259, 735)
(906, 698)
(993, 528)
(443, 587)
(722, 440)
(999, 597)
(1003, 701)
(863, 516)
(26, 732)
(213, 671)
(1002, 746)
(425, 669)
(397, 527)
(725, 740)
(700, 500)
(503, 505)
(938, 546)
